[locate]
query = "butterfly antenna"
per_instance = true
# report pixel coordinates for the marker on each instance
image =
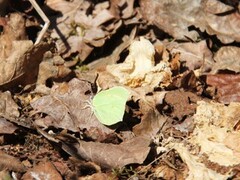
(94, 85)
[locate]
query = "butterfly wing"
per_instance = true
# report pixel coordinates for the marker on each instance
(109, 105)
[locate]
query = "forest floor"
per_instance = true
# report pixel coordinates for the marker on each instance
(174, 112)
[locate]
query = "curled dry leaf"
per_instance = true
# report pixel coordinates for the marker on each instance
(227, 58)
(18, 55)
(196, 169)
(175, 17)
(14, 70)
(139, 68)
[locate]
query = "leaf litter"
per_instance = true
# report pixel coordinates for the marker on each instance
(178, 60)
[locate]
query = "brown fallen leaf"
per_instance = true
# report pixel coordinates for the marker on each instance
(68, 107)
(18, 55)
(11, 163)
(151, 121)
(227, 58)
(6, 127)
(44, 170)
(194, 55)
(132, 151)
(13, 30)
(8, 107)
(175, 17)
(79, 31)
(54, 69)
(181, 110)
(227, 86)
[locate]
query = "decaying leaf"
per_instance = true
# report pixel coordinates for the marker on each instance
(175, 17)
(197, 170)
(151, 121)
(139, 68)
(213, 141)
(215, 122)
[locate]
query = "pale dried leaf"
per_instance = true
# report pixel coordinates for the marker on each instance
(139, 68)
(197, 170)
(215, 122)
(218, 114)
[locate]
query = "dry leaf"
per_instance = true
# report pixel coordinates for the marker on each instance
(68, 107)
(44, 170)
(6, 127)
(139, 68)
(212, 150)
(111, 156)
(175, 17)
(151, 121)
(195, 55)
(15, 68)
(8, 107)
(79, 31)
(10, 163)
(197, 170)
(227, 58)
(178, 110)
(227, 86)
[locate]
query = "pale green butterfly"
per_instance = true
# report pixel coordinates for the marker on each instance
(109, 105)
